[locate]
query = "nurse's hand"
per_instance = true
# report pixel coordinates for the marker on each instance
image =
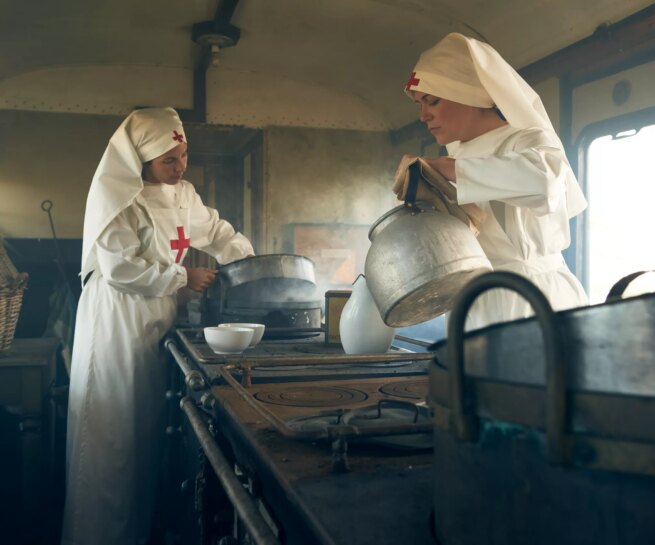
(199, 278)
(444, 166)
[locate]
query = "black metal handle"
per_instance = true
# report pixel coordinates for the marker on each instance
(412, 186)
(616, 292)
(556, 364)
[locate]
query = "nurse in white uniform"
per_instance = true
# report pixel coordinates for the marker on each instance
(141, 218)
(504, 156)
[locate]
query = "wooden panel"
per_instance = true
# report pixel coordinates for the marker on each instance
(610, 49)
(26, 370)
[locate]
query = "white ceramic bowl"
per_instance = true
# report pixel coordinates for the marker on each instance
(228, 340)
(257, 328)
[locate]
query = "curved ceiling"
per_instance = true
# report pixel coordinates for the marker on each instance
(295, 61)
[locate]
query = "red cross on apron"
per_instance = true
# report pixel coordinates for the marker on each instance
(177, 136)
(181, 244)
(413, 80)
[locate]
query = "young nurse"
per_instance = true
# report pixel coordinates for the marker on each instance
(141, 218)
(504, 156)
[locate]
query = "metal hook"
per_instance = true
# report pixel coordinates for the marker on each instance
(46, 206)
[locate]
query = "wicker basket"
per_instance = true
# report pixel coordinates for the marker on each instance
(12, 286)
(10, 303)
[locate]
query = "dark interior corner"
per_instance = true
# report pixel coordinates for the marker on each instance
(38, 258)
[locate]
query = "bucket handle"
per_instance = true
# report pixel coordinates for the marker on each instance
(556, 362)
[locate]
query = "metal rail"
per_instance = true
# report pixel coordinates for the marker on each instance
(242, 502)
(412, 340)
(192, 378)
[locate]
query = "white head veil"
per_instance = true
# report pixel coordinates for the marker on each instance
(467, 71)
(142, 136)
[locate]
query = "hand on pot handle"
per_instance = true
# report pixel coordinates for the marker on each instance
(200, 278)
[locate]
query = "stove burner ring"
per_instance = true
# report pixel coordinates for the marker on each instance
(415, 389)
(312, 396)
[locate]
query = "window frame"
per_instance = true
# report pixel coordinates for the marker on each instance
(607, 127)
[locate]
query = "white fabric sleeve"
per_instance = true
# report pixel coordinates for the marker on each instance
(215, 236)
(123, 264)
(534, 177)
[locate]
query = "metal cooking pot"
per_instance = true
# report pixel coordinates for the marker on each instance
(252, 269)
(267, 278)
(419, 259)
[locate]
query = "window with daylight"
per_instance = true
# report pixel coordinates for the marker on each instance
(619, 230)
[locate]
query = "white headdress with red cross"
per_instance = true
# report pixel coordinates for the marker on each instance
(471, 72)
(142, 136)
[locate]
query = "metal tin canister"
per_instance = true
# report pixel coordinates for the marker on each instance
(334, 303)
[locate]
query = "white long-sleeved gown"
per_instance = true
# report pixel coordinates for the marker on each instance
(118, 374)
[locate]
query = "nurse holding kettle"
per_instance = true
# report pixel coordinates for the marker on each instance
(505, 157)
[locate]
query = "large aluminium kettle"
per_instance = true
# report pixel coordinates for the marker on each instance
(419, 259)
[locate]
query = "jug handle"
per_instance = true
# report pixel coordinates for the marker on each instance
(556, 360)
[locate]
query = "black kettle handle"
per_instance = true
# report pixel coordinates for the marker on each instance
(412, 186)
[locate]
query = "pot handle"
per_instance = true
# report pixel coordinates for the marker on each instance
(556, 361)
(616, 292)
(412, 186)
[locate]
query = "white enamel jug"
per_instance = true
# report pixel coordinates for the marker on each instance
(361, 327)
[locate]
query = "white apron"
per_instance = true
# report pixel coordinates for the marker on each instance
(116, 399)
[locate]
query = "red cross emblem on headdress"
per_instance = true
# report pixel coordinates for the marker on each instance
(177, 136)
(180, 244)
(413, 80)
